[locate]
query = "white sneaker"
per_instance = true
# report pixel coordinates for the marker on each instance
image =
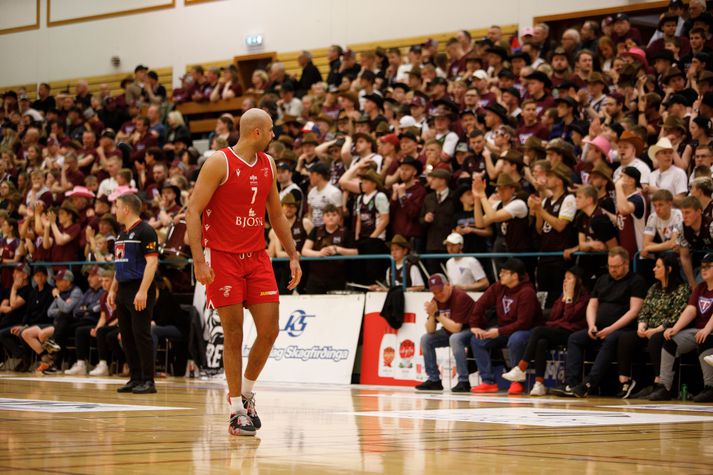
(100, 370)
(538, 389)
(78, 368)
(708, 359)
(515, 375)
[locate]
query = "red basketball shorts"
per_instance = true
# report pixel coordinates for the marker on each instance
(243, 278)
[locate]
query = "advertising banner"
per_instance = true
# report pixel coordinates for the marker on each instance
(317, 340)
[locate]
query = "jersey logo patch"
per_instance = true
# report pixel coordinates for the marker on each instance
(226, 290)
(208, 211)
(507, 303)
(119, 250)
(131, 236)
(265, 172)
(207, 227)
(237, 172)
(704, 304)
(253, 179)
(151, 246)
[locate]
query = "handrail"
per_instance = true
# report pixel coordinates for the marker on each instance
(392, 262)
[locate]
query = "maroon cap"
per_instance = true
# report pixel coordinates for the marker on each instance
(418, 101)
(393, 139)
(437, 282)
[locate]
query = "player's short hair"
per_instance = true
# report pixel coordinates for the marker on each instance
(132, 201)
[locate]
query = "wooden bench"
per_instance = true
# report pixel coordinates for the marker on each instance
(30, 89)
(165, 78)
(201, 116)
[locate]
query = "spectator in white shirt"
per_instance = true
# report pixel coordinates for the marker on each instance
(667, 176)
(466, 273)
(664, 225)
(322, 193)
(630, 145)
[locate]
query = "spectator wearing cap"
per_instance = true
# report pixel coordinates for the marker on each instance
(286, 186)
(86, 318)
(407, 197)
(321, 193)
(371, 209)
(601, 179)
(510, 214)
(14, 297)
(667, 31)
(400, 248)
(692, 331)
(450, 307)
(496, 57)
(561, 68)
(554, 217)
(697, 232)
(566, 111)
(666, 176)
(388, 148)
(537, 85)
(615, 303)
(364, 150)
(465, 273)
(373, 107)
(596, 88)
(664, 226)
(482, 86)
(328, 239)
(531, 126)
(38, 302)
(309, 155)
(517, 310)
(631, 210)
(442, 131)
(623, 30)
(53, 338)
(437, 214)
(630, 147)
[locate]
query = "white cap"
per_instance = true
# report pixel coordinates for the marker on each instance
(454, 238)
(480, 74)
(406, 122)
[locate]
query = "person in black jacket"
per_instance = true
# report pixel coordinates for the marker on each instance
(310, 73)
(170, 322)
(40, 299)
(437, 215)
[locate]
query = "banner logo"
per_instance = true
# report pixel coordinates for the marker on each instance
(296, 323)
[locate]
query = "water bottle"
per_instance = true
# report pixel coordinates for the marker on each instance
(684, 392)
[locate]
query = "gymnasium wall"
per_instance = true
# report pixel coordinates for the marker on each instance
(83, 36)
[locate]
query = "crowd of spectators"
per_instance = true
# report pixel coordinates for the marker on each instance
(569, 147)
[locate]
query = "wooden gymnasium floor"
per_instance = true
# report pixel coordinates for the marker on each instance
(314, 429)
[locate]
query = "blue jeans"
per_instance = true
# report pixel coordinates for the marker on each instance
(578, 342)
(441, 339)
(516, 344)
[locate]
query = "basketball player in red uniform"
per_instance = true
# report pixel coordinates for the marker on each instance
(234, 189)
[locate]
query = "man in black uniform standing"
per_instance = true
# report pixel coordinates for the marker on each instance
(133, 293)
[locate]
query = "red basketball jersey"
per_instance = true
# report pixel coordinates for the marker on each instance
(234, 220)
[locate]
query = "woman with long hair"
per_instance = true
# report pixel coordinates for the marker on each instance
(663, 304)
(567, 316)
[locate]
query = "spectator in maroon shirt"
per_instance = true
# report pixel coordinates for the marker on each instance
(142, 139)
(88, 153)
(61, 233)
(70, 176)
(406, 201)
(456, 55)
(623, 30)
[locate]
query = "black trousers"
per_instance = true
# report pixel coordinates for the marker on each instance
(135, 330)
(83, 339)
(541, 340)
(108, 343)
(630, 345)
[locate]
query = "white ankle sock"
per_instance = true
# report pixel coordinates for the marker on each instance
(247, 386)
(236, 405)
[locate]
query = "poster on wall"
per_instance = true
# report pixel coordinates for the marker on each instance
(317, 341)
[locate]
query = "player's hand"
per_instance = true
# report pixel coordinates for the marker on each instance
(140, 300)
(295, 272)
(204, 273)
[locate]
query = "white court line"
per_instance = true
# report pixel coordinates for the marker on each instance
(40, 405)
(466, 398)
(666, 407)
(528, 416)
